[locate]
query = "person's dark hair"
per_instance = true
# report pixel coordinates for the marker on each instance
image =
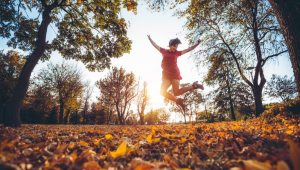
(174, 41)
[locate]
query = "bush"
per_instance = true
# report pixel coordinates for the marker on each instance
(286, 110)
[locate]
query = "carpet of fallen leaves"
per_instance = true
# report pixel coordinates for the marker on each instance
(252, 144)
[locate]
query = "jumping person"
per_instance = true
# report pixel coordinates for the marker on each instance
(171, 73)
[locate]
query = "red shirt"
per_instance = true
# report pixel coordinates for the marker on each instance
(169, 63)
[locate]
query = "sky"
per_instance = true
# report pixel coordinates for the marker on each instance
(145, 61)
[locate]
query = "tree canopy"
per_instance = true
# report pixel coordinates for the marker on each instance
(90, 31)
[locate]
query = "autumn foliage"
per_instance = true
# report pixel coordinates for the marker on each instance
(261, 143)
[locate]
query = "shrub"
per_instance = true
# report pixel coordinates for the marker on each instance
(287, 110)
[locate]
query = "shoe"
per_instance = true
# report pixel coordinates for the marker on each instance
(179, 101)
(197, 86)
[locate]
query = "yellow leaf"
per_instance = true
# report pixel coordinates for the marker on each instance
(47, 164)
(155, 140)
(289, 132)
(295, 154)
(150, 140)
(83, 143)
(291, 127)
(183, 140)
(79, 1)
(108, 136)
(120, 151)
(97, 142)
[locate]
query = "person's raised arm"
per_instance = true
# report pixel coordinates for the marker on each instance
(191, 48)
(153, 43)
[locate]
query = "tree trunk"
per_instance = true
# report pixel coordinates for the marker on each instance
(76, 117)
(1, 113)
(288, 16)
(142, 119)
(258, 101)
(61, 113)
(231, 104)
(84, 116)
(67, 119)
(12, 117)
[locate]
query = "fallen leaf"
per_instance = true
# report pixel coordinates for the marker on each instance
(120, 151)
(108, 136)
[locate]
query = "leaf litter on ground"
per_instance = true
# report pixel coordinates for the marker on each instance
(249, 145)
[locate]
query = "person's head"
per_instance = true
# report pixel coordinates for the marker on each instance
(173, 44)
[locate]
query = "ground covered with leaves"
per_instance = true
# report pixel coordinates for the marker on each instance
(262, 143)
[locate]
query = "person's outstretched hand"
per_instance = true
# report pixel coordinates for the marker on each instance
(199, 41)
(148, 36)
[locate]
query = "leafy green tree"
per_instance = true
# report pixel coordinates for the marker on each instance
(152, 117)
(11, 64)
(142, 101)
(120, 88)
(89, 31)
(65, 81)
(281, 87)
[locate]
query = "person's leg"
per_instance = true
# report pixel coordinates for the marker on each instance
(163, 90)
(176, 90)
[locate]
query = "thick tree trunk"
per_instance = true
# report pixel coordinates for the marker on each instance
(76, 117)
(230, 101)
(61, 113)
(258, 101)
(12, 117)
(1, 113)
(84, 118)
(142, 119)
(67, 119)
(288, 16)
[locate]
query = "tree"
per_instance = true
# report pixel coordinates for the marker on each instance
(108, 105)
(120, 88)
(288, 15)
(152, 117)
(98, 113)
(65, 81)
(281, 87)
(88, 94)
(89, 31)
(11, 64)
(191, 100)
(38, 104)
(164, 115)
(142, 101)
(245, 32)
